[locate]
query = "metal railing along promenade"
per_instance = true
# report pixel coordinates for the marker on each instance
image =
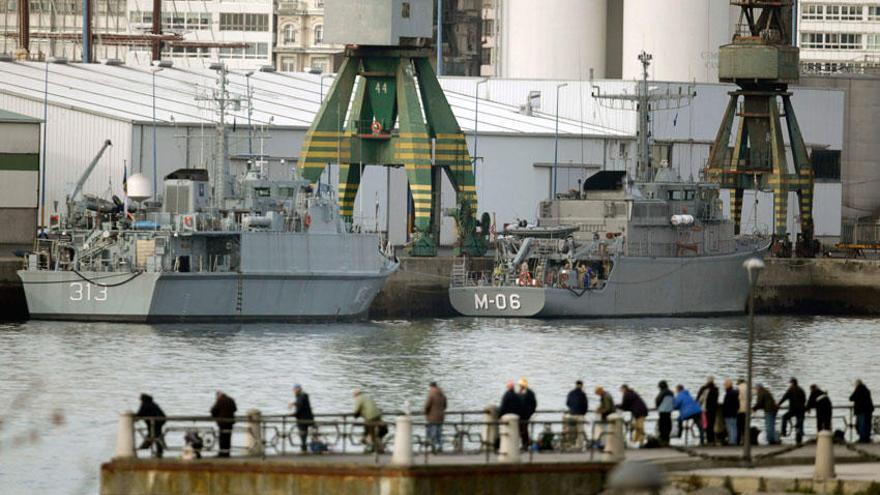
(463, 433)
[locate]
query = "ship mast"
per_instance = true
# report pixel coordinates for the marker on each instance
(644, 102)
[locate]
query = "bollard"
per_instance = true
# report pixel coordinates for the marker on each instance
(824, 470)
(403, 451)
(490, 427)
(125, 436)
(614, 446)
(509, 432)
(254, 439)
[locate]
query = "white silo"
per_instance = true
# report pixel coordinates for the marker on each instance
(558, 39)
(682, 35)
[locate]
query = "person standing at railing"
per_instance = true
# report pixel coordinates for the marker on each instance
(435, 415)
(578, 405)
(302, 411)
(765, 401)
(511, 403)
(730, 411)
(366, 408)
(863, 408)
(633, 403)
(224, 412)
(688, 409)
(820, 401)
(707, 396)
(665, 404)
(797, 404)
(529, 406)
(741, 427)
(153, 416)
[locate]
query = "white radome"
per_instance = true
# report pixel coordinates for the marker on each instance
(139, 187)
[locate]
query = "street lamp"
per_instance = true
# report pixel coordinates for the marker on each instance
(155, 183)
(556, 145)
(476, 122)
(250, 112)
(753, 266)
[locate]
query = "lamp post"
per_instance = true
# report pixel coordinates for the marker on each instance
(753, 266)
(155, 183)
(476, 123)
(250, 112)
(556, 145)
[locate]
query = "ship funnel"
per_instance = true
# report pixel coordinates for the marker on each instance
(139, 187)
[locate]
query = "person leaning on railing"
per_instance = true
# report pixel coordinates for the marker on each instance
(224, 411)
(153, 416)
(302, 411)
(366, 408)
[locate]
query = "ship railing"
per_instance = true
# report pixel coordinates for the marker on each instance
(683, 249)
(469, 432)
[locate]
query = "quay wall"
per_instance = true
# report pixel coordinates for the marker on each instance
(13, 306)
(249, 476)
(819, 286)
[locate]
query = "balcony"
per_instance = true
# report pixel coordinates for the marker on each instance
(300, 7)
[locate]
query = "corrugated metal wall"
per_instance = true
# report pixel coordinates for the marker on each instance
(73, 139)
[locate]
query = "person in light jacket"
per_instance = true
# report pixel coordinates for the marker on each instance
(743, 408)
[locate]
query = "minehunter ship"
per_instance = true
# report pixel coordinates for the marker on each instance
(611, 250)
(232, 248)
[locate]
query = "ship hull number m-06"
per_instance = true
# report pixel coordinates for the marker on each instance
(84, 292)
(498, 301)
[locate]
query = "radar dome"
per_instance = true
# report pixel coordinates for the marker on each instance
(139, 187)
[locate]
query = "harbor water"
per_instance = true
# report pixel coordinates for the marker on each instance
(62, 385)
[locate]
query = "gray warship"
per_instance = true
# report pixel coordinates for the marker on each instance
(654, 245)
(660, 248)
(240, 247)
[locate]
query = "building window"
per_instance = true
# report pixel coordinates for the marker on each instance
(831, 41)
(253, 50)
(488, 27)
(319, 34)
(812, 12)
(288, 64)
(289, 34)
(244, 22)
(186, 52)
(319, 4)
(873, 42)
(486, 56)
(874, 13)
(404, 10)
(318, 64)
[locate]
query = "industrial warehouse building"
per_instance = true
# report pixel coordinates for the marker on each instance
(88, 104)
(19, 174)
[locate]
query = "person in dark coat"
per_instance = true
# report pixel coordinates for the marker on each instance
(633, 403)
(224, 412)
(764, 401)
(529, 406)
(707, 396)
(863, 408)
(510, 401)
(820, 401)
(577, 401)
(302, 411)
(797, 408)
(665, 403)
(730, 411)
(153, 416)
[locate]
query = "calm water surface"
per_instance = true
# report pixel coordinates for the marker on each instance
(62, 385)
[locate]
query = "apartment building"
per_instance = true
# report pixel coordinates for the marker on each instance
(245, 26)
(490, 60)
(300, 45)
(839, 36)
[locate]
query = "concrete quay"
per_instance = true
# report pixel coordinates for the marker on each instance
(538, 474)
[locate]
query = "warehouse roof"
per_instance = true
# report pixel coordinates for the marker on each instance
(279, 99)
(16, 117)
